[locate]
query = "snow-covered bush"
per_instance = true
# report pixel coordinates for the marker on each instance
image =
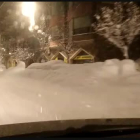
(119, 24)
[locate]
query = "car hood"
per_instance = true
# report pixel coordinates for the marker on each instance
(63, 125)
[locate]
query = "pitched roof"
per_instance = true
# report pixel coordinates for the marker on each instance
(47, 57)
(64, 54)
(78, 51)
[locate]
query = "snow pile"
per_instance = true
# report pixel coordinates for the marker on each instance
(58, 91)
(20, 66)
(128, 67)
(138, 64)
(48, 65)
(2, 67)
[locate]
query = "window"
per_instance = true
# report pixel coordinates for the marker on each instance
(82, 24)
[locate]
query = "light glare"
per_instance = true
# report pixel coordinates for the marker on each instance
(28, 10)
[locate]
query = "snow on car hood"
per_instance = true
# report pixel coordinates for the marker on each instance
(58, 91)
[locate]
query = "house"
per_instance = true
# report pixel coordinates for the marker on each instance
(81, 56)
(43, 58)
(69, 23)
(61, 55)
(70, 27)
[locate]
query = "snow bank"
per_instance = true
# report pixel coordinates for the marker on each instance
(2, 67)
(137, 62)
(58, 91)
(48, 65)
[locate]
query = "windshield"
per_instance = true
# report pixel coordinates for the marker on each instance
(69, 61)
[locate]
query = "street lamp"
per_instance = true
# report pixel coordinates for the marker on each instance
(28, 10)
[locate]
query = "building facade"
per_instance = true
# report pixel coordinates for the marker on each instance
(70, 28)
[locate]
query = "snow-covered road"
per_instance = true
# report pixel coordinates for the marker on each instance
(59, 91)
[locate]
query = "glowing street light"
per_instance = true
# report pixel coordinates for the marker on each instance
(28, 10)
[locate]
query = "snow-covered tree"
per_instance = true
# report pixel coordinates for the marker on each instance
(58, 29)
(23, 54)
(119, 24)
(14, 28)
(16, 40)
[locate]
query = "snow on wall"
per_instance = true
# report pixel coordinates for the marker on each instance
(58, 91)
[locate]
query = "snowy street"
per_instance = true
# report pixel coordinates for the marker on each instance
(59, 91)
